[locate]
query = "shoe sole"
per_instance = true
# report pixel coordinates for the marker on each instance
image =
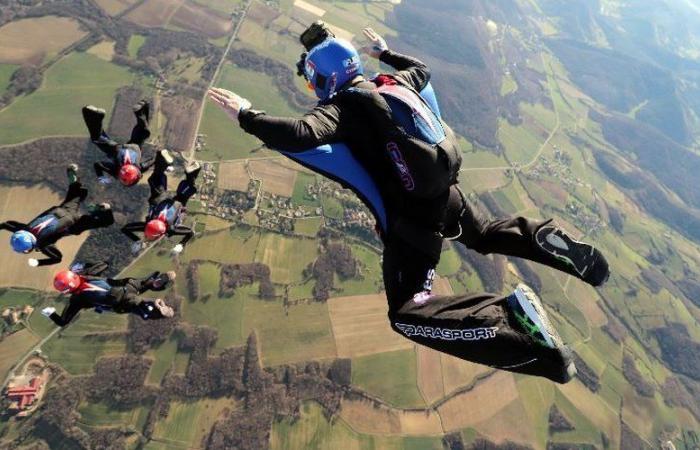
(167, 157)
(579, 251)
(96, 110)
(532, 305)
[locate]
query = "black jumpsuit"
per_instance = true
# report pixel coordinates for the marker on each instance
(60, 221)
(120, 154)
(475, 327)
(166, 205)
(107, 294)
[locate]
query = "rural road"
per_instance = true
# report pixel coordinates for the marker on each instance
(200, 114)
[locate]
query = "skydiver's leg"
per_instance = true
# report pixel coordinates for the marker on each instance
(540, 241)
(186, 189)
(156, 281)
(141, 131)
(158, 181)
(481, 328)
(76, 192)
(94, 117)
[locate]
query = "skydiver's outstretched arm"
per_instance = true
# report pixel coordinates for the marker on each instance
(411, 70)
(69, 313)
(319, 126)
(181, 230)
(52, 253)
(130, 229)
(12, 226)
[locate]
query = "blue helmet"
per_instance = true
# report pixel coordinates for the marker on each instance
(330, 65)
(22, 241)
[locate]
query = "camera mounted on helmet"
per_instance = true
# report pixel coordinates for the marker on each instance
(310, 38)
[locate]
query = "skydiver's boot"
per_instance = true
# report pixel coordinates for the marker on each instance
(164, 161)
(192, 170)
(531, 318)
(94, 117)
(159, 281)
(587, 262)
(142, 111)
(72, 172)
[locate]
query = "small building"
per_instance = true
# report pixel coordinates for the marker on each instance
(23, 396)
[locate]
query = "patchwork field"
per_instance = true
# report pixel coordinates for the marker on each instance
(74, 81)
(390, 376)
(276, 178)
(286, 257)
(361, 326)
(114, 7)
(30, 41)
(201, 20)
(155, 13)
(23, 204)
(481, 403)
(233, 175)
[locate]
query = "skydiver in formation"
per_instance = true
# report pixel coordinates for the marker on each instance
(412, 157)
(42, 233)
(88, 290)
(126, 162)
(167, 209)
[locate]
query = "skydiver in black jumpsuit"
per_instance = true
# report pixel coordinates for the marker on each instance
(121, 156)
(166, 209)
(88, 290)
(506, 332)
(63, 220)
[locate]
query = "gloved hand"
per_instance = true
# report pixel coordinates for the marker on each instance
(46, 312)
(231, 103)
(178, 249)
(136, 247)
(33, 262)
(377, 44)
(105, 179)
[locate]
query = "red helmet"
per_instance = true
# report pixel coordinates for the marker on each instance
(66, 281)
(154, 229)
(129, 174)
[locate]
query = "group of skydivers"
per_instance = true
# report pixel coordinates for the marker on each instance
(126, 163)
(412, 160)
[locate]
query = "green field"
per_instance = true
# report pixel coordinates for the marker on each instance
(370, 280)
(74, 81)
(6, 71)
(450, 263)
(308, 226)
(223, 314)
(313, 431)
(136, 41)
(391, 376)
(303, 333)
(17, 297)
(188, 422)
(285, 256)
(163, 359)
(299, 196)
(224, 138)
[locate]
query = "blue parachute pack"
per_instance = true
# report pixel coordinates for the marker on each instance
(337, 162)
